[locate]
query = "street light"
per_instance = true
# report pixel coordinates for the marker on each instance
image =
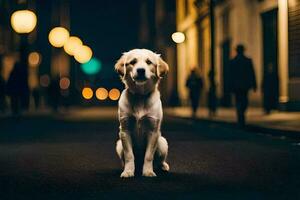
(23, 21)
(58, 36)
(83, 54)
(72, 44)
(212, 98)
(178, 37)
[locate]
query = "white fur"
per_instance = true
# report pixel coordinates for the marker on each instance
(140, 110)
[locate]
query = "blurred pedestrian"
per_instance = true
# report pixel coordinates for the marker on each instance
(17, 89)
(54, 94)
(36, 97)
(195, 85)
(270, 88)
(242, 79)
(2, 94)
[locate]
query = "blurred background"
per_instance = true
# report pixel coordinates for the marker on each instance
(59, 94)
(66, 49)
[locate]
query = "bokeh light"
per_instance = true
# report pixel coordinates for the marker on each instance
(23, 21)
(91, 67)
(58, 36)
(72, 44)
(64, 83)
(178, 37)
(101, 93)
(45, 80)
(87, 93)
(34, 59)
(114, 94)
(83, 54)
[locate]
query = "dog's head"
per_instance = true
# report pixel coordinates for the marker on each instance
(141, 69)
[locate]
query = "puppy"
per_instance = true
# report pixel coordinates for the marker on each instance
(140, 111)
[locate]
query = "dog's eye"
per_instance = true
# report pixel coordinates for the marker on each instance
(133, 62)
(148, 62)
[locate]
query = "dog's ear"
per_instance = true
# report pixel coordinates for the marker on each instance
(120, 66)
(162, 68)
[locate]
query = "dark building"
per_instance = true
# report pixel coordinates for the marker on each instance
(158, 22)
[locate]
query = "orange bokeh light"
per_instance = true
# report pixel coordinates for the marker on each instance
(101, 93)
(34, 59)
(64, 83)
(114, 94)
(87, 93)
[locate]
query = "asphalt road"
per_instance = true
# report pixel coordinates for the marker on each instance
(73, 157)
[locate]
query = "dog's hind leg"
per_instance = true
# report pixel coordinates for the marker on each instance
(119, 150)
(162, 150)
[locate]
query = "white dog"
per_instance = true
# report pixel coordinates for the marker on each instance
(140, 110)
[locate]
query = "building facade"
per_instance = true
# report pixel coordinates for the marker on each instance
(157, 23)
(269, 29)
(192, 19)
(293, 82)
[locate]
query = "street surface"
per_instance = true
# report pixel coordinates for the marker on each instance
(72, 156)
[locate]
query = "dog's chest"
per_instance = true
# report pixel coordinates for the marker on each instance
(140, 110)
(140, 114)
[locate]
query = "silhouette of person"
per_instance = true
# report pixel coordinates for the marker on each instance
(36, 97)
(270, 89)
(17, 88)
(195, 85)
(242, 79)
(2, 94)
(54, 93)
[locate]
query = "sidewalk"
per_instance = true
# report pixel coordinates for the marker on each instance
(277, 123)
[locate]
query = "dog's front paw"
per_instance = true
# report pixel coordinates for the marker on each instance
(149, 173)
(127, 174)
(165, 167)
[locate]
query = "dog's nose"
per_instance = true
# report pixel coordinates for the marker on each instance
(140, 71)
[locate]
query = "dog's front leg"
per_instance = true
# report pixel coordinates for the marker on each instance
(149, 155)
(128, 155)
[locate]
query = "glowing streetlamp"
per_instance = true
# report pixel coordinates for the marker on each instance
(83, 54)
(72, 44)
(23, 21)
(178, 37)
(58, 36)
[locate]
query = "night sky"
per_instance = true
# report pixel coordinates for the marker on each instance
(109, 27)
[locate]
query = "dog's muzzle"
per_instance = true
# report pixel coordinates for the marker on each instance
(140, 75)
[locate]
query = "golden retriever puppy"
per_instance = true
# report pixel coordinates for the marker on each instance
(140, 111)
